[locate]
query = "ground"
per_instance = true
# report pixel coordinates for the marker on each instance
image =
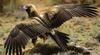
(82, 31)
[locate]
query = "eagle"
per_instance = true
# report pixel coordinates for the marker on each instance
(44, 26)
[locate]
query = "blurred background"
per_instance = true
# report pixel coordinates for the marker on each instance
(82, 31)
(11, 5)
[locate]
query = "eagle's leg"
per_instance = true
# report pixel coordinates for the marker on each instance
(44, 38)
(34, 41)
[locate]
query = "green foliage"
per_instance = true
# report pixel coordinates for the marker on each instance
(98, 37)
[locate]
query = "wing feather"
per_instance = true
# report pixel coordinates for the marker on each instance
(61, 13)
(16, 40)
(20, 35)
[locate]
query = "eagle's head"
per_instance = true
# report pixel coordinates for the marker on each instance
(30, 9)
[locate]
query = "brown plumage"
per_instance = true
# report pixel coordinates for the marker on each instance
(43, 26)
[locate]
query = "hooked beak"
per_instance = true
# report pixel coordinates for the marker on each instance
(24, 7)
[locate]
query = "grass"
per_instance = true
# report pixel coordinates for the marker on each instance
(82, 31)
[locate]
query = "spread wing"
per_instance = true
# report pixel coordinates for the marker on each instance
(61, 13)
(20, 35)
(16, 41)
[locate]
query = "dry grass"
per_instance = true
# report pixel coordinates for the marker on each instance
(82, 31)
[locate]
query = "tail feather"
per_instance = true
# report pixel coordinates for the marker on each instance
(61, 39)
(62, 36)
